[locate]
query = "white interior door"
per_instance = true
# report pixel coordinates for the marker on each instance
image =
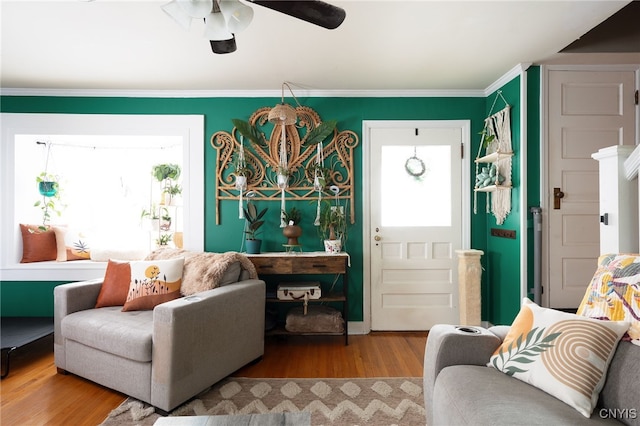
(588, 110)
(416, 225)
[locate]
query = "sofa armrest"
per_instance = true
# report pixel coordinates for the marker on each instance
(454, 345)
(67, 299)
(200, 339)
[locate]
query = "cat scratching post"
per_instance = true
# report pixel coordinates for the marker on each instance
(469, 274)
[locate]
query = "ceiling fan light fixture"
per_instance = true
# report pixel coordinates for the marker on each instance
(223, 46)
(197, 9)
(237, 15)
(178, 14)
(215, 28)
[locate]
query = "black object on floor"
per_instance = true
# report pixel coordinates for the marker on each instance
(19, 331)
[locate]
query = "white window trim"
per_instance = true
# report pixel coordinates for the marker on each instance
(189, 127)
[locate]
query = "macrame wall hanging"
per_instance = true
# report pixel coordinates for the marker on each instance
(493, 170)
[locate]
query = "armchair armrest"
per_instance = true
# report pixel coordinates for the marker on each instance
(200, 339)
(67, 299)
(454, 345)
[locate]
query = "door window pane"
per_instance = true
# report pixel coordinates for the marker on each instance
(408, 200)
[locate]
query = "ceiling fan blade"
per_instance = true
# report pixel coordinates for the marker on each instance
(314, 11)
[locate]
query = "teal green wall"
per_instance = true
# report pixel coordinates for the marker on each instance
(501, 289)
(350, 112)
(27, 299)
(501, 276)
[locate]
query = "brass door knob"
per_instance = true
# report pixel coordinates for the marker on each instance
(377, 238)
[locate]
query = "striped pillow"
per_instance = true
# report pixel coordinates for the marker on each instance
(563, 354)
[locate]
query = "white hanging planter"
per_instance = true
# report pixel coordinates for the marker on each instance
(241, 183)
(282, 181)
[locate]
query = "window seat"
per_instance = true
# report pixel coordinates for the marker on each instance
(77, 270)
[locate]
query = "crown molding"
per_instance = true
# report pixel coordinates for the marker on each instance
(106, 93)
(507, 77)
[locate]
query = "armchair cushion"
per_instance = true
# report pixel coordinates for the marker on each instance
(125, 334)
(563, 354)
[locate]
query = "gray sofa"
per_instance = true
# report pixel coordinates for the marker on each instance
(460, 390)
(165, 356)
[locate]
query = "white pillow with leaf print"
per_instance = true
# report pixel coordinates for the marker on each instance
(563, 354)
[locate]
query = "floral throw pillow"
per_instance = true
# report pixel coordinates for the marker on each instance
(153, 282)
(614, 293)
(563, 354)
(71, 244)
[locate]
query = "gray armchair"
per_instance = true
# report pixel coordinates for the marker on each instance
(166, 356)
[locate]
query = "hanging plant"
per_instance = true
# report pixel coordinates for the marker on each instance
(47, 184)
(321, 132)
(49, 188)
(248, 131)
(166, 171)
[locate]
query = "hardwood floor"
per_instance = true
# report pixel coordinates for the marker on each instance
(34, 394)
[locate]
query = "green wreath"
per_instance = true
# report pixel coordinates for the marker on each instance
(415, 166)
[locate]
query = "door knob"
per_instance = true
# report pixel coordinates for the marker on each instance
(557, 196)
(377, 238)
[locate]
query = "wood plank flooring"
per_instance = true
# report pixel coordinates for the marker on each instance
(34, 394)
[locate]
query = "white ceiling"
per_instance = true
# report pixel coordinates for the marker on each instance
(382, 45)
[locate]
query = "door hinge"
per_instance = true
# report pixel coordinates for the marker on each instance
(462, 151)
(636, 96)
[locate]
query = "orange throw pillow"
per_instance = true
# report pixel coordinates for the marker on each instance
(115, 285)
(37, 245)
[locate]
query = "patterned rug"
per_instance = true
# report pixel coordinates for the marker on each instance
(381, 401)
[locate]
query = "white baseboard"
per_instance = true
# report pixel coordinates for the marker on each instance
(357, 327)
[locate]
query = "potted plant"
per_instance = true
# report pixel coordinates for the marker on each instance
(282, 177)
(252, 225)
(173, 191)
(166, 174)
(292, 230)
(163, 240)
(333, 227)
(49, 188)
(165, 223)
(240, 170)
(152, 217)
(47, 184)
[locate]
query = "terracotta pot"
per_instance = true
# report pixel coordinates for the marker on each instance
(292, 232)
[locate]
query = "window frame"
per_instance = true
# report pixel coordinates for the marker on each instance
(189, 127)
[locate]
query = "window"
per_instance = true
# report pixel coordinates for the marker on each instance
(85, 150)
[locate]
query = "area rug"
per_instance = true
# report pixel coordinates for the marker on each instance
(378, 401)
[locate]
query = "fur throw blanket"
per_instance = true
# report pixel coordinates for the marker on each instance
(204, 271)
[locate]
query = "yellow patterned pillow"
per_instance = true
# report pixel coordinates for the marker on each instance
(614, 292)
(153, 282)
(563, 354)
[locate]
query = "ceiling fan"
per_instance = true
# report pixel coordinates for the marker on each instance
(224, 18)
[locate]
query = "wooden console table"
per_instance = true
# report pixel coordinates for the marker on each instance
(308, 263)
